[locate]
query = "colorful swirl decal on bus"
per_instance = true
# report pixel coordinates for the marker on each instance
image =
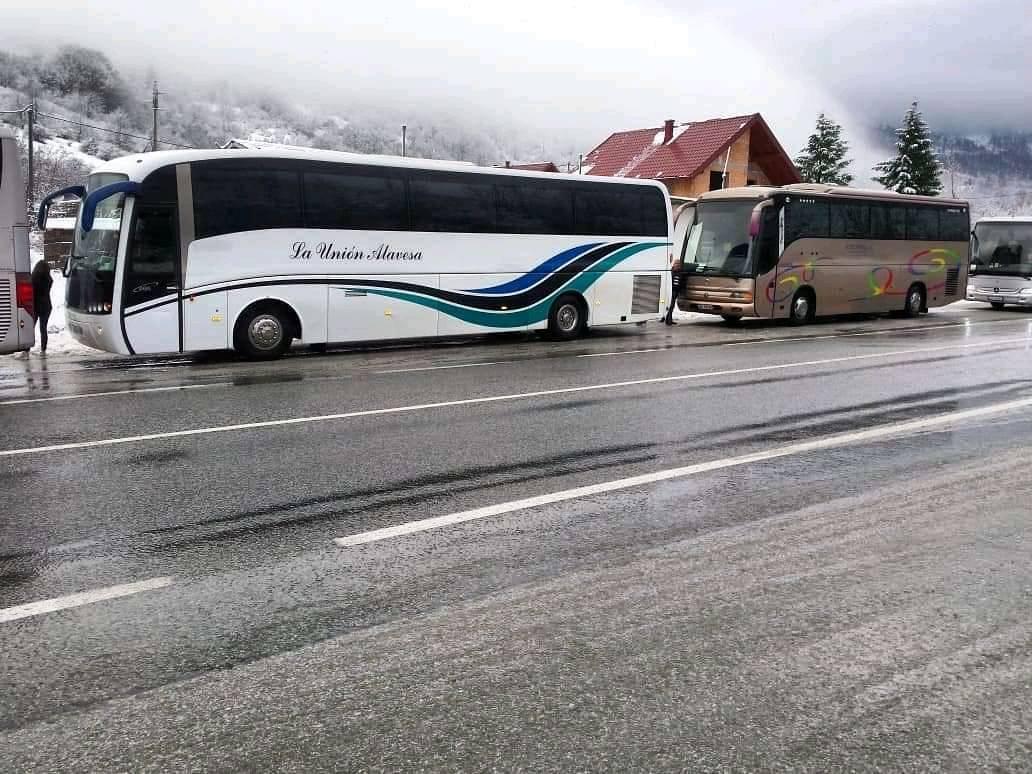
(932, 265)
(790, 279)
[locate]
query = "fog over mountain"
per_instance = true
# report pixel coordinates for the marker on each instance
(550, 80)
(567, 73)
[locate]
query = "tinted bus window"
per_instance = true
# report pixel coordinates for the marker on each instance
(922, 223)
(954, 225)
(806, 218)
(654, 213)
(334, 200)
(888, 221)
(535, 208)
(850, 221)
(604, 212)
(229, 199)
(458, 203)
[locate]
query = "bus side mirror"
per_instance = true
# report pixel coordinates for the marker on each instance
(754, 224)
(77, 191)
(89, 204)
(67, 268)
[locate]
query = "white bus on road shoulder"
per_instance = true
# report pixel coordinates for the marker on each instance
(1001, 262)
(17, 326)
(251, 249)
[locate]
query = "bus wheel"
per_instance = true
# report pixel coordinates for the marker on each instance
(732, 320)
(804, 308)
(264, 331)
(567, 319)
(915, 301)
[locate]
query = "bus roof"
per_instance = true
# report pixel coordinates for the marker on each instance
(756, 192)
(139, 165)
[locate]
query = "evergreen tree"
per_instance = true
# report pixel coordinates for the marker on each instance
(824, 158)
(915, 169)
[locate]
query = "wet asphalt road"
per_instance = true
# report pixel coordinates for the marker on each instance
(863, 606)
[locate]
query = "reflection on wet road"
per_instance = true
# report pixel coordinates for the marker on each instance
(685, 548)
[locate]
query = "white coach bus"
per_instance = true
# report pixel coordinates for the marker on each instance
(17, 328)
(252, 249)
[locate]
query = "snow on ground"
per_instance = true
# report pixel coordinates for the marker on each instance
(60, 341)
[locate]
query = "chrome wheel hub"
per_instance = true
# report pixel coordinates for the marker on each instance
(566, 318)
(802, 308)
(265, 332)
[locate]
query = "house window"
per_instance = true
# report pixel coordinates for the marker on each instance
(716, 180)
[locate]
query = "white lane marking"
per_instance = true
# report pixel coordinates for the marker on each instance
(443, 368)
(829, 442)
(822, 337)
(80, 599)
(495, 398)
(625, 352)
(81, 395)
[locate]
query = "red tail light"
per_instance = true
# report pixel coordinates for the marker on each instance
(23, 292)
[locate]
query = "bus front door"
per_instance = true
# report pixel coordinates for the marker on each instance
(151, 299)
(768, 250)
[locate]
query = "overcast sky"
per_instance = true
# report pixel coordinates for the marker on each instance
(579, 70)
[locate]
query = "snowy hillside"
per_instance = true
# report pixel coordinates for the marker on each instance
(83, 85)
(993, 171)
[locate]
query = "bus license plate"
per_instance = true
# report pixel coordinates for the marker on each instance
(704, 307)
(995, 299)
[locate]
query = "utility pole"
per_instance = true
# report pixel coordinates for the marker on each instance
(154, 125)
(30, 112)
(404, 133)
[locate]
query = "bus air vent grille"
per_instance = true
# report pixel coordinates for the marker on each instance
(6, 308)
(645, 298)
(953, 281)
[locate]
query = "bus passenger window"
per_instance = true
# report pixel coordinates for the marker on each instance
(888, 221)
(922, 223)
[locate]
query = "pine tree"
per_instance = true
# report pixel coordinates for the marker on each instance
(915, 169)
(824, 158)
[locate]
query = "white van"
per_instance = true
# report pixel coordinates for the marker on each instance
(17, 328)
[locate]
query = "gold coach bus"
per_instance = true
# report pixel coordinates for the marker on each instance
(806, 250)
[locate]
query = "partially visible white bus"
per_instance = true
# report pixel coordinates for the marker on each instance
(251, 249)
(17, 327)
(1001, 262)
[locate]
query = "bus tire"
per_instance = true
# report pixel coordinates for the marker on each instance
(732, 320)
(999, 306)
(914, 302)
(568, 317)
(264, 330)
(804, 307)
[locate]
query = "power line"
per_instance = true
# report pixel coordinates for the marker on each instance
(112, 131)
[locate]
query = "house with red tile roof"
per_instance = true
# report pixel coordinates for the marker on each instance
(537, 166)
(692, 158)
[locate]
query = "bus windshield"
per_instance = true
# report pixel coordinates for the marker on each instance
(719, 241)
(91, 271)
(1002, 248)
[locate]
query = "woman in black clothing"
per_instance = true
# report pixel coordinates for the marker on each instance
(41, 284)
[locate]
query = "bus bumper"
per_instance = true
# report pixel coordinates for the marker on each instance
(98, 331)
(992, 296)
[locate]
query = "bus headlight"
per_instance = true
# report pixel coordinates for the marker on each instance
(741, 295)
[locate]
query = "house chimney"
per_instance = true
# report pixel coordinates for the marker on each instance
(508, 164)
(668, 130)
